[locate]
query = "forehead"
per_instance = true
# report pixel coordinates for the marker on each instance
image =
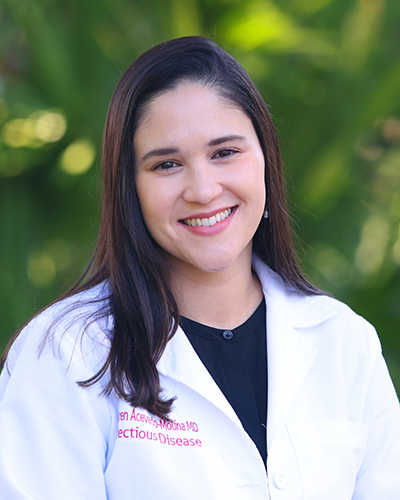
(190, 110)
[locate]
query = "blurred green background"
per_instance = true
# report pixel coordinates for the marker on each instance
(330, 71)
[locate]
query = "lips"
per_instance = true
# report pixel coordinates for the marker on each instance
(208, 221)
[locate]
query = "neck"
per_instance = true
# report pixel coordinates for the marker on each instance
(223, 299)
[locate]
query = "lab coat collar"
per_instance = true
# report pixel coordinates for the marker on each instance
(297, 309)
(290, 354)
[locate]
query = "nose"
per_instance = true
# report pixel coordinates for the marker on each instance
(202, 184)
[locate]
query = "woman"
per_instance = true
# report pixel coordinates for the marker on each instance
(105, 395)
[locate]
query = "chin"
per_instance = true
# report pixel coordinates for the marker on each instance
(212, 262)
(214, 266)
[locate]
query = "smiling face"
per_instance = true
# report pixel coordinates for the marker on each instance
(200, 179)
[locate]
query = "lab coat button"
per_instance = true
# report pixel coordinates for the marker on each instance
(279, 481)
(228, 335)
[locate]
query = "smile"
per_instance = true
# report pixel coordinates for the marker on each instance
(210, 221)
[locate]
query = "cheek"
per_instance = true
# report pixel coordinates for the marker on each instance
(252, 182)
(146, 199)
(156, 202)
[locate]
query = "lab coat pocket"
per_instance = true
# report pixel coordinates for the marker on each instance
(329, 455)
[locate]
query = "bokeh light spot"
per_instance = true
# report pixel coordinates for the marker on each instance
(78, 157)
(19, 133)
(41, 269)
(49, 126)
(372, 247)
(39, 128)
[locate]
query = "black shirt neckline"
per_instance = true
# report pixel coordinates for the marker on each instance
(249, 327)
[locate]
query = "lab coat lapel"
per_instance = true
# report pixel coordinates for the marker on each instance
(290, 354)
(180, 362)
(290, 357)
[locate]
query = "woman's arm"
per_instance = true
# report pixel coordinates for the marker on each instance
(379, 475)
(53, 433)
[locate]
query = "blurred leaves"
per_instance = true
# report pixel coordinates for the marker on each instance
(263, 24)
(330, 71)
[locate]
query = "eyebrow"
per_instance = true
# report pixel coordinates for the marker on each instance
(227, 138)
(160, 152)
(214, 142)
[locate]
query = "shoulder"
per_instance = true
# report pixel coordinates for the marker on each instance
(324, 320)
(75, 330)
(340, 334)
(353, 331)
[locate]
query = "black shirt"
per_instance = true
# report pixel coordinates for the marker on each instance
(237, 361)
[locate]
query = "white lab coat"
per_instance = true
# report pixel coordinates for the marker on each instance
(332, 432)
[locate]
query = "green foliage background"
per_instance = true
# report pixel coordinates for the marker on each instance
(330, 71)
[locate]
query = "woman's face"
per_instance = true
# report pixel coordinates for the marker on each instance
(200, 179)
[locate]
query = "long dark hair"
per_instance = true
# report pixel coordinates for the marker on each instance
(145, 313)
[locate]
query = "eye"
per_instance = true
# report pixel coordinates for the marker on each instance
(165, 165)
(225, 153)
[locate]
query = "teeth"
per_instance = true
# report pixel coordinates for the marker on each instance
(206, 222)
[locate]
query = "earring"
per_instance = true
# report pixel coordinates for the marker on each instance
(266, 214)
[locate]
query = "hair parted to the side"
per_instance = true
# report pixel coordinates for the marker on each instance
(143, 307)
